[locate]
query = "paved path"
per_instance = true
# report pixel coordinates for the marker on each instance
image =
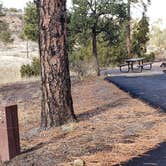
(151, 89)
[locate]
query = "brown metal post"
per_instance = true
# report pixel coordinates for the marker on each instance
(9, 133)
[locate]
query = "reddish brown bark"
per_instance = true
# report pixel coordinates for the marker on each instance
(94, 45)
(129, 31)
(57, 104)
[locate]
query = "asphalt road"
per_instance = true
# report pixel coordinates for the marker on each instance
(151, 89)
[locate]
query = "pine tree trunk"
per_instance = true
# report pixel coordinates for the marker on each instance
(94, 45)
(129, 31)
(57, 105)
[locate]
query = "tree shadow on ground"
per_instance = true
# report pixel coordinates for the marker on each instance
(99, 110)
(155, 157)
(42, 144)
(80, 117)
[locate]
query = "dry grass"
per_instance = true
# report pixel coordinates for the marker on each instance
(10, 68)
(112, 127)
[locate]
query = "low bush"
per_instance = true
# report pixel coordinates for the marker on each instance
(5, 37)
(150, 57)
(32, 69)
(14, 10)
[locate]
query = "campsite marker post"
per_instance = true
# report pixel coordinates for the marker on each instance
(9, 133)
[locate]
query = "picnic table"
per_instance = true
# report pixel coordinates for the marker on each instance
(140, 65)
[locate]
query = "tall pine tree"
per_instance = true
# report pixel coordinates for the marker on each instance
(144, 4)
(140, 37)
(57, 104)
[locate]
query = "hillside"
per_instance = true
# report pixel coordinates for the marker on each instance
(18, 47)
(13, 55)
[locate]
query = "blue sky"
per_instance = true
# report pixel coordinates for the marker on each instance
(155, 11)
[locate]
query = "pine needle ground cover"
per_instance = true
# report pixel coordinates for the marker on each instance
(112, 126)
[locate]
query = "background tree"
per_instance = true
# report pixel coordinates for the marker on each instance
(57, 105)
(93, 17)
(129, 28)
(5, 34)
(140, 36)
(144, 4)
(30, 28)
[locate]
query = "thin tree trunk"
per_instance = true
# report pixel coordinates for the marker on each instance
(27, 49)
(94, 45)
(129, 30)
(57, 105)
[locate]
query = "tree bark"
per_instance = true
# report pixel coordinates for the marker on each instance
(94, 45)
(129, 30)
(57, 105)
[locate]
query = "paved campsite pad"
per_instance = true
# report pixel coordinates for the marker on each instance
(151, 89)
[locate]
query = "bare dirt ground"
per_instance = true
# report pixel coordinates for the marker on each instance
(112, 127)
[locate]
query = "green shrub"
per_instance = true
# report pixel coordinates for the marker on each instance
(3, 26)
(32, 69)
(5, 34)
(150, 57)
(26, 71)
(36, 66)
(5, 37)
(14, 10)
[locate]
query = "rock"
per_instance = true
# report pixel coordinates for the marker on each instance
(79, 162)
(69, 127)
(107, 74)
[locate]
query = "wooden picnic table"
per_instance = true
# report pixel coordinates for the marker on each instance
(132, 61)
(139, 67)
